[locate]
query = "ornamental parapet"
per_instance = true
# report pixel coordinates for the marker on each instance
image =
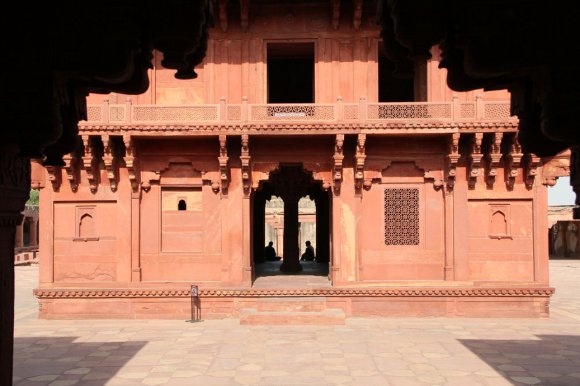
(371, 117)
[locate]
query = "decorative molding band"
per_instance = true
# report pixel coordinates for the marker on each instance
(69, 293)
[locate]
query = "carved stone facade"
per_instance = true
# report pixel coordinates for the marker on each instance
(432, 196)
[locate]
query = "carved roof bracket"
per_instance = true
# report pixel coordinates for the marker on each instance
(110, 160)
(89, 162)
(360, 157)
(475, 159)
(338, 162)
(335, 16)
(223, 164)
(494, 158)
(71, 167)
(513, 159)
(246, 165)
(452, 158)
(131, 161)
(530, 165)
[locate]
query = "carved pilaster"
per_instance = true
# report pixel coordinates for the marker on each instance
(71, 167)
(88, 162)
(223, 164)
(131, 161)
(475, 159)
(338, 161)
(494, 157)
(335, 14)
(110, 160)
(246, 166)
(530, 165)
(452, 158)
(514, 159)
(357, 14)
(360, 157)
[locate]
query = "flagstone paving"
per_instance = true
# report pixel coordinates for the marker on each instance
(365, 351)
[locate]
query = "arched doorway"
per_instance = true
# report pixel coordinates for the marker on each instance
(289, 209)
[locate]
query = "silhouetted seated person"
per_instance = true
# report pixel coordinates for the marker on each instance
(308, 255)
(270, 253)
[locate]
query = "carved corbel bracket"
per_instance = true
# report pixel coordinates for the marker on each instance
(223, 164)
(71, 167)
(338, 158)
(54, 176)
(246, 165)
(148, 178)
(434, 176)
(452, 158)
(494, 159)
(514, 161)
(372, 176)
(475, 159)
(131, 161)
(89, 162)
(530, 165)
(360, 157)
(110, 161)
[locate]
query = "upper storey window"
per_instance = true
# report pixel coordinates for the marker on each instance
(393, 86)
(290, 72)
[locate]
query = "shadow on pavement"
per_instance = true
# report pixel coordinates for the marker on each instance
(42, 360)
(550, 360)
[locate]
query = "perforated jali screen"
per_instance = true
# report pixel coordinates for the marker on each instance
(402, 216)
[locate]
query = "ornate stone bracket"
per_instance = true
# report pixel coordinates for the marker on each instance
(338, 161)
(513, 162)
(494, 158)
(131, 161)
(71, 167)
(223, 163)
(452, 158)
(54, 176)
(475, 159)
(360, 157)
(88, 162)
(246, 165)
(530, 166)
(110, 160)
(435, 176)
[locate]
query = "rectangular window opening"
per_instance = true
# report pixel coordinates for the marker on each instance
(290, 72)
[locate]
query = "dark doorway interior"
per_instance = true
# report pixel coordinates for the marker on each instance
(321, 240)
(290, 72)
(393, 87)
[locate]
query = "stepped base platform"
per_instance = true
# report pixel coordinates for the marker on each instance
(364, 301)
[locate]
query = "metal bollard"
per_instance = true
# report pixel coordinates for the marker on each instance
(195, 305)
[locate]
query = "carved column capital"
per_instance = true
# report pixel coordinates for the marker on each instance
(338, 161)
(223, 164)
(246, 165)
(360, 157)
(452, 158)
(14, 187)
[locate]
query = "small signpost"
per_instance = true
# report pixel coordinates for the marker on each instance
(195, 305)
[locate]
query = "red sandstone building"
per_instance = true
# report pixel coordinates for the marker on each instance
(425, 203)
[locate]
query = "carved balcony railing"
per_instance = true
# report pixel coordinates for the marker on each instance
(339, 112)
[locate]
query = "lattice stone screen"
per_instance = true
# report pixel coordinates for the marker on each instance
(402, 216)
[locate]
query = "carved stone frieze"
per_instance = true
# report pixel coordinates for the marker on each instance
(69, 293)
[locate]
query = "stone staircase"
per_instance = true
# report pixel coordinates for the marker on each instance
(292, 311)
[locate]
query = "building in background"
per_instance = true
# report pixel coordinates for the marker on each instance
(424, 202)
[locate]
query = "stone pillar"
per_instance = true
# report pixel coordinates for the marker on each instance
(575, 178)
(14, 190)
(279, 240)
(322, 228)
(259, 222)
(291, 251)
(19, 236)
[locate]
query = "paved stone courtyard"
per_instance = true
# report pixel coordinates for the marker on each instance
(366, 351)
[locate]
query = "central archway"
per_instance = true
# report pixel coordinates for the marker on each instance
(291, 183)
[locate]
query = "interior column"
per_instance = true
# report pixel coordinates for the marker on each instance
(291, 251)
